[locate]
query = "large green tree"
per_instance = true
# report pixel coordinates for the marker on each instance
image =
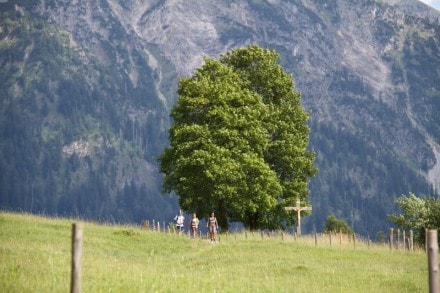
(238, 143)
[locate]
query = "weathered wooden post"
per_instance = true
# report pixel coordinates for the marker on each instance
(404, 240)
(434, 281)
(316, 239)
(391, 238)
(411, 240)
(77, 240)
(426, 240)
(298, 209)
(398, 239)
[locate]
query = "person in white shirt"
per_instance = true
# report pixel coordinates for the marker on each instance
(180, 219)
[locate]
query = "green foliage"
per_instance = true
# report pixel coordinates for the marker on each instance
(238, 142)
(336, 225)
(381, 237)
(417, 214)
(36, 257)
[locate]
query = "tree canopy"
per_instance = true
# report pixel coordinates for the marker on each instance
(417, 213)
(238, 142)
(336, 225)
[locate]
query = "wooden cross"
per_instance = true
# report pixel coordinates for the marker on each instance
(298, 208)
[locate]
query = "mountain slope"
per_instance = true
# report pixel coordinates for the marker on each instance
(369, 72)
(77, 132)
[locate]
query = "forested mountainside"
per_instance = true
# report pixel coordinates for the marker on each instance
(87, 87)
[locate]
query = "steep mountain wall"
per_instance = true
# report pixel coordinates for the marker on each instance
(369, 71)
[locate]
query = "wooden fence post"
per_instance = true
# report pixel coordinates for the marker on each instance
(404, 240)
(411, 240)
(77, 237)
(426, 240)
(391, 238)
(434, 281)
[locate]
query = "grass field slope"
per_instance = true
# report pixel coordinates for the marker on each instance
(35, 254)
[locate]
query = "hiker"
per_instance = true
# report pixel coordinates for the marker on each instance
(179, 219)
(212, 226)
(194, 225)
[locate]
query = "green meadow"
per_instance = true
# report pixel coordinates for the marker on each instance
(35, 256)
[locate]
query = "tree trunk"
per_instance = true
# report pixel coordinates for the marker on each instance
(223, 216)
(253, 221)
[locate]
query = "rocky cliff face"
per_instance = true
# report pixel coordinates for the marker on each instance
(369, 71)
(326, 46)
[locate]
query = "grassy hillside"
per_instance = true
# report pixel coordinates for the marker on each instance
(35, 257)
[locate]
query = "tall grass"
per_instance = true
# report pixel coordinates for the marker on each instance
(35, 256)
